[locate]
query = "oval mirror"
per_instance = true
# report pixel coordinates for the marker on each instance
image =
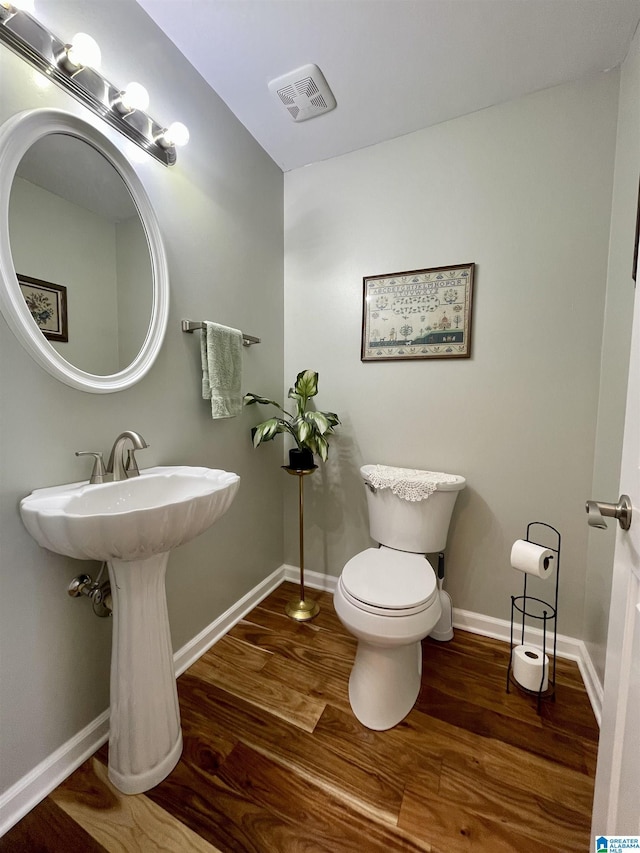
(84, 276)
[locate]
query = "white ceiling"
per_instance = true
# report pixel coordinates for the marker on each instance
(395, 66)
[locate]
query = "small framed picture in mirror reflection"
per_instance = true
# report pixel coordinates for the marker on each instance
(47, 304)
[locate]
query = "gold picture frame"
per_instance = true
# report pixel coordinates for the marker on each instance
(418, 314)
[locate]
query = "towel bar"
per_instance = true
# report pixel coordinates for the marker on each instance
(194, 325)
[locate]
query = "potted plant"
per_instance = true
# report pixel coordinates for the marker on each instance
(310, 429)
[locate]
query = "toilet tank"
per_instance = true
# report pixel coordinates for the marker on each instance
(418, 526)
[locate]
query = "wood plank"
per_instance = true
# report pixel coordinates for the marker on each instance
(467, 783)
(513, 768)
(319, 815)
(229, 820)
(370, 791)
(203, 745)
(48, 829)
(396, 754)
(122, 823)
(232, 651)
(273, 696)
(470, 645)
(324, 653)
(423, 744)
(450, 828)
(512, 765)
(280, 623)
(563, 748)
(569, 711)
(476, 681)
(316, 682)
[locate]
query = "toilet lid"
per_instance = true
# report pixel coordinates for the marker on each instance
(390, 580)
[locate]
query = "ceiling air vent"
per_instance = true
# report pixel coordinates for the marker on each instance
(304, 93)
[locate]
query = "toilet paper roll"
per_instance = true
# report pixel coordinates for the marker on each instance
(530, 666)
(531, 558)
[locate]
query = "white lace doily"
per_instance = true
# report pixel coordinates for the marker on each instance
(409, 484)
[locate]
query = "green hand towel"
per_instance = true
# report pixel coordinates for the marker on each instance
(221, 351)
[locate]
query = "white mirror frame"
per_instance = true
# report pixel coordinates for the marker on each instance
(17, 135)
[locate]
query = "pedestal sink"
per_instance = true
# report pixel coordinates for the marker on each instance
(133, 525)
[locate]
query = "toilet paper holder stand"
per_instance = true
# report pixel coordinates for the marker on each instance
(536, 610)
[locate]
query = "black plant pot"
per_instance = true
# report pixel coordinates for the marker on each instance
(300, 460)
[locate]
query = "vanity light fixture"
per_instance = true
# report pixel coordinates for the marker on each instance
(73, 67)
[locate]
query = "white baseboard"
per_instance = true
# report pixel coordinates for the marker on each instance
(27, 792)
(39, 782)
(314, 580)
(592, 683)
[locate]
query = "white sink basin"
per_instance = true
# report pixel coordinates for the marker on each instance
(131, 519)
(133, 525)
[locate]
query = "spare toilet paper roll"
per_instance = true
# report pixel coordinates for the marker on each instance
(531, 558)
(530, 667)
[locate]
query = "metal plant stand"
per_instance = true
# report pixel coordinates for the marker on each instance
(301, 609)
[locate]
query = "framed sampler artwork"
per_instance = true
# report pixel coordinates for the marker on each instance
(418, 314)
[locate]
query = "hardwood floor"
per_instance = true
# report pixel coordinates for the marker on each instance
(275, 761)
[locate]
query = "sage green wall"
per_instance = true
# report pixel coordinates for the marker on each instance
(615, 356)
(522, 189)
(220, 213)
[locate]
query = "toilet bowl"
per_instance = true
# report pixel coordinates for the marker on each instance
(389, 601)
(387, 597)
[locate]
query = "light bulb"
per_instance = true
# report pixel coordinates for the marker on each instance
(24, 6)
(176, 134)
(134, 97)
(83, 52)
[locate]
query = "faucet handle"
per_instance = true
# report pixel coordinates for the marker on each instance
(98, 474)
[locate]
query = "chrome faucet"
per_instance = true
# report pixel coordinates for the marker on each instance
(117, 466)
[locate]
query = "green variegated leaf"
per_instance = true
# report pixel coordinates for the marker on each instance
(249, 399)
(307, 383)
(304, 431)
(267, 430)
(319, 420)
(322, 447)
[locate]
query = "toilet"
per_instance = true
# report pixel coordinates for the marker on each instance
(387, 597)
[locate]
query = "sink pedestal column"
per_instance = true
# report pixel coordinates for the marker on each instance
(145, 739)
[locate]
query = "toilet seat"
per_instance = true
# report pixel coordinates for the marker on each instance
(389, 582)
